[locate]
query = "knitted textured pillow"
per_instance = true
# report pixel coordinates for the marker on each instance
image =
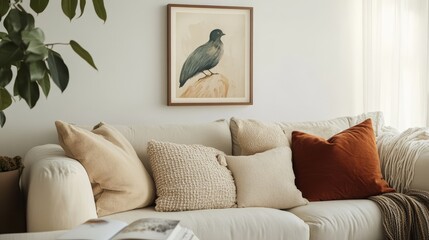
(190, 177)
(346, 166)
(118, 178)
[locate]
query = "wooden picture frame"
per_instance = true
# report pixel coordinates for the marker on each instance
(210, 55)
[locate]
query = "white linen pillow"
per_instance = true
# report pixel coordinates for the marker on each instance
(266, 179)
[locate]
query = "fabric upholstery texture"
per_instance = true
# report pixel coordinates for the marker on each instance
(231, 223)
(47, 170)
(190, 177)
(342, 219)
(214, 134)
(421, 178)
(346, 166)
(252, 136)
(104, 151)
(266, 179)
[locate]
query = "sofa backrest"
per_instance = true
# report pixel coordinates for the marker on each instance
(212, 134)
(218, 135)
(328, 128)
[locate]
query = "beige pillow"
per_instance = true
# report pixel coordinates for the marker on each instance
(252, 136)
(190, 177)
(119, 180)
(266, 179)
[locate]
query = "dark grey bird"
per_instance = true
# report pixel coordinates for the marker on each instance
(205, 57)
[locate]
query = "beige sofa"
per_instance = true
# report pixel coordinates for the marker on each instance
(60, 196)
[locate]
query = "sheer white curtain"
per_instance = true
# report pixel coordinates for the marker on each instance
(395, 59)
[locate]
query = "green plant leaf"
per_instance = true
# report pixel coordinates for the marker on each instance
(4, 7)
(2, 119)
(58, 70)
(38, 48)
(16, 21)
(5, 76)
(31, 57)
(100, 9)
(82, 53)
(82, 4)
(27, 89)
(5, 99)
(13, 21)
(45, 84)
(9, 53)
(29, 21)
(69, 8)
(3, 35)
(37, 70)
(33, 34)
(38, 5)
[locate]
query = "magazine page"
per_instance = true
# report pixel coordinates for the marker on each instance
(150, 228)
(94, 229)
(185, 234)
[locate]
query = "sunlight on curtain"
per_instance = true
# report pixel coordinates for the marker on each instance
(396, 60)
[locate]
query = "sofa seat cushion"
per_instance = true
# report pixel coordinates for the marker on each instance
(342, 219)
(230, 223)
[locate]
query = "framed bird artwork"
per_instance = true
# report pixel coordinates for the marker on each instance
(210, 55)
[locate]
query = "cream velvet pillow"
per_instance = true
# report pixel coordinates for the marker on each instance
(252, 136)
(190, 177)
(266, 179)
(119, 180)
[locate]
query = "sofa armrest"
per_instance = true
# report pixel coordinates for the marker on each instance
(58, 191)
(421, 172)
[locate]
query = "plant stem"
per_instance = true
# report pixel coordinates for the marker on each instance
(51, 45)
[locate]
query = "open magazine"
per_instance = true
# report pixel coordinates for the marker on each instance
(145, 229)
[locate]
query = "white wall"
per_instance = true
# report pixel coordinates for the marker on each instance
(307, 66)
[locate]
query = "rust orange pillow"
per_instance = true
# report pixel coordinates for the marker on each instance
(346, 166)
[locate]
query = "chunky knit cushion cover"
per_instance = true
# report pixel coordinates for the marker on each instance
(346, 166)
(266, 179)
(118, 178)
(190, 177)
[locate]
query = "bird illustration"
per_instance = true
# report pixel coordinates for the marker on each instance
(205, 57)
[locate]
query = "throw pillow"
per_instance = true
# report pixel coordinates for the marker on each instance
(190, 177)
(346, 166)
(252, 136)
(119, 180)
(266, 179)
